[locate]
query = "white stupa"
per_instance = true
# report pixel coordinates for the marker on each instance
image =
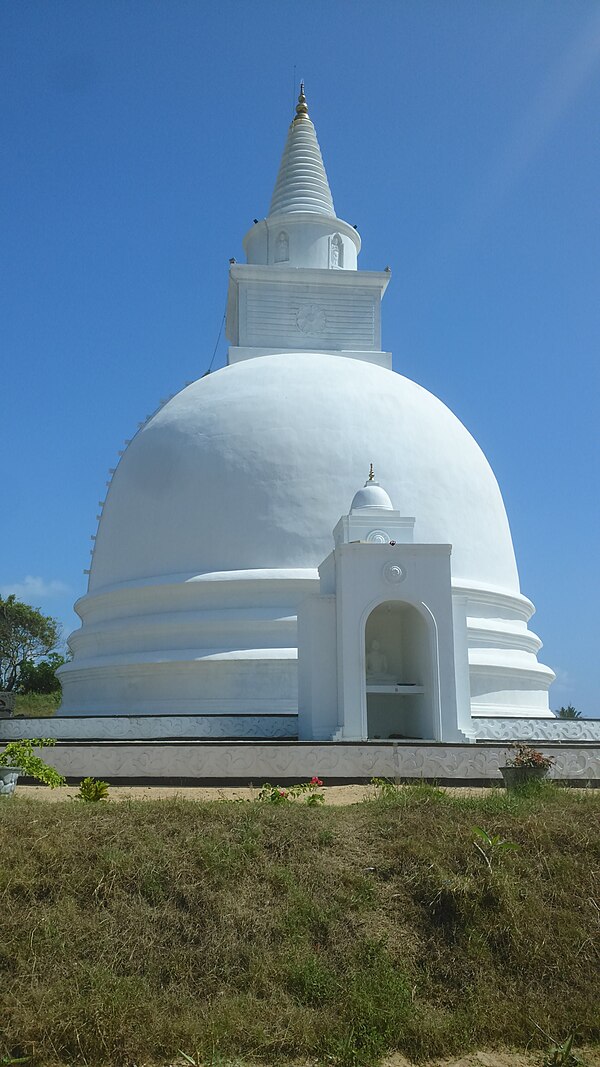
(222, 507)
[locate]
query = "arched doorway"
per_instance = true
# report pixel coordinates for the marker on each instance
(399, 673)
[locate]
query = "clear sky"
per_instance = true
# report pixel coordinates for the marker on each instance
(141, 137)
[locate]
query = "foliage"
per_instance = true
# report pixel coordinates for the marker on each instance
(385, 789)
(92, 790)
(568, 713)
(41, 677)
(526, 756)
(406, 793)
(25, 635)
(561, 1054)
(276, 794)
(21, 754)
(491, 845)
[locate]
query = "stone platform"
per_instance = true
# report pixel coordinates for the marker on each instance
(244, 762)
(282, 727)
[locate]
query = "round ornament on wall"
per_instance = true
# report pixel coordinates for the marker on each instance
(378, 537)
(311, 318)
(394, 573)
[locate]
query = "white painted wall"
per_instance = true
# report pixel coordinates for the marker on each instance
(364, 576)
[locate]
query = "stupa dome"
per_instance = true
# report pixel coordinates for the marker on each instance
(252, 466)
(223, 506)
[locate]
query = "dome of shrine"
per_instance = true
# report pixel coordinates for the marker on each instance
(251, 467)
(371, 496)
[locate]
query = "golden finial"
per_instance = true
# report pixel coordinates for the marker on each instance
(371, 473)
(301, 106)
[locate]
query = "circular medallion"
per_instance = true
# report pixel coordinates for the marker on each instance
(393, 573)
(378, 537)
(311, 319)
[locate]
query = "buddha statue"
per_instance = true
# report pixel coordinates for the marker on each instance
(377, 665)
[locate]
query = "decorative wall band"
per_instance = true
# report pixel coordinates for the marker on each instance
(488, 729)
(152, 727)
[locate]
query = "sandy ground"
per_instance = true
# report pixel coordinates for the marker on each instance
(334, 794)
(586, 1057)
(589, 1057)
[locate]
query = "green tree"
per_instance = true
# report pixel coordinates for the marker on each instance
(26, 634)
(41, 677)
(568, 713)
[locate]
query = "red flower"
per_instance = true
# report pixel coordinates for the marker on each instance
(315, 781)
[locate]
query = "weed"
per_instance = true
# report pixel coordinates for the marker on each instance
(92, 790)
(276, 794)
(560, 1053)
(385, 789)
(389, 792)
(492, 845)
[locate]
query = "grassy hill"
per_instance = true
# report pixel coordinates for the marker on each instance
(37, 705)
(275, 932)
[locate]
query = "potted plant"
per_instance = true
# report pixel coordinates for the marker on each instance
(19, 757)
(526, 764)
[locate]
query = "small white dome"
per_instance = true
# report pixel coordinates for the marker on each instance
(372, 495)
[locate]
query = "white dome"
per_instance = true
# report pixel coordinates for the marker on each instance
(372, 495)
(252, 466)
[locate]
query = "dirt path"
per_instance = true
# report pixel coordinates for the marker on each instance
(586, 1057)
(334, 794)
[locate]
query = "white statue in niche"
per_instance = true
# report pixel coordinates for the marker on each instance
(377, 665)
(282, 252)
(336, 255)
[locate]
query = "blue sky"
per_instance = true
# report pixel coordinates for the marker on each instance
(141, 138)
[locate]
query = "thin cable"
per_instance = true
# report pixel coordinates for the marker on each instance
(217, 344)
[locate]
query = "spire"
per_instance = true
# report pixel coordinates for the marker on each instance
(301, 106)
(302, 182)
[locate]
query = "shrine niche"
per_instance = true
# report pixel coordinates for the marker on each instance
(336, 251)
(398, 673)
(282, 253)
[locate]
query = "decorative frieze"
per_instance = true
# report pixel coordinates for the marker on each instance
(488, 729)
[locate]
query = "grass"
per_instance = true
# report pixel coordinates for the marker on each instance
(244, 931)
(37, 705)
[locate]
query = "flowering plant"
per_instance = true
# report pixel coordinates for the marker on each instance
(275, 794)
(526, 756)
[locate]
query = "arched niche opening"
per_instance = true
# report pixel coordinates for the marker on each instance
(282, 248)
(399, 673)
(336, 251)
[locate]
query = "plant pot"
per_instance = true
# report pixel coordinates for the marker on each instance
(8, 780)
(516, 776)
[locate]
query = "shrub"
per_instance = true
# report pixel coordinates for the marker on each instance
(92, 790)
(21, 754)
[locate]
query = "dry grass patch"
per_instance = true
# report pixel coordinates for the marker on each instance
(336, 935)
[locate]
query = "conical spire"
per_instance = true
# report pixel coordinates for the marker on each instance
(302, 182)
